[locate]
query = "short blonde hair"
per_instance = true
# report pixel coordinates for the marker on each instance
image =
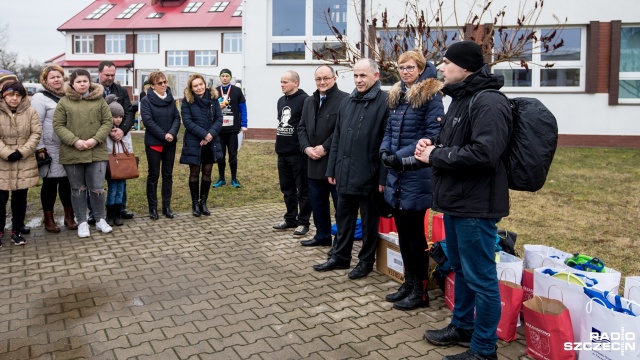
(155, 76)
(47, 69)
(415, 55)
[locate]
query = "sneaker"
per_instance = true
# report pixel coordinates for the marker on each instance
(235, 183)
(103, 226)
(283, 226)
(17, 239)
(471, 355)
(220, 182)
(450, 335)
(301, 230)
(83, 230)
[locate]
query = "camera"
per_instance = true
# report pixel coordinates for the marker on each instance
(47, 158)
(410, 163)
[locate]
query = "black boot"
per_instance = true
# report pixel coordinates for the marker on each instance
(110, 215)
(117, 215)
(195, 201)
(204, 195)
(419, 297)
(405, 289)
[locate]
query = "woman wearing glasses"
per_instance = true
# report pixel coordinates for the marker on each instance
(162, 120)
(415, 105)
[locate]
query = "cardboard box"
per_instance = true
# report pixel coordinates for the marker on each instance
(389, 259)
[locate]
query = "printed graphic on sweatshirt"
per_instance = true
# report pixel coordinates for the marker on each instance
(284, 129)
(227, 113)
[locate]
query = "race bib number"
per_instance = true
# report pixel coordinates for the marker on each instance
(227, 120)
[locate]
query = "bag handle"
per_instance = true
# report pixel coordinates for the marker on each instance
(552, 273)
(630, 289)
(561, 293)
(515, 277)
(115, 145)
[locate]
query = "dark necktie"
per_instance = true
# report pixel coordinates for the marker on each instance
(321, 100)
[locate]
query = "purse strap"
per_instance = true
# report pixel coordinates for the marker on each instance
(124, 148)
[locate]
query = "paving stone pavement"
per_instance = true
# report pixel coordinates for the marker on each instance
(219, 287)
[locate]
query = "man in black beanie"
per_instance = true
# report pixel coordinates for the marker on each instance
(471, 189)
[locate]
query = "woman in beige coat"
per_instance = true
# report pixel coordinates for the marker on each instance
(20, 131)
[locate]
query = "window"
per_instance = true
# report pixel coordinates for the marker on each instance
(232, 43)
(130, 11)
(101, 10)
(83, 44)
(629, 81)
(147, 43)
(192, 7)
(219, 6)
(567, 73)
(238, 11)
(177, 58)
(296, 22)
(206, 58)
(155, 15)
(116, 44)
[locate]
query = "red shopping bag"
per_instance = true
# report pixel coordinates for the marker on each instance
(437, 228)
(527, 285)
(511, 301)
(547, 327)
(449, 290)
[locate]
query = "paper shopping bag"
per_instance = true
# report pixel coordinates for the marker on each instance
(511, 302)
(632, 288)
(509, 267)
(449, 290)
(535, 256)
(547, 328)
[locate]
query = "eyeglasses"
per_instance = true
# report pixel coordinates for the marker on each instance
(161, 82)
(325, 79)
(406, 68)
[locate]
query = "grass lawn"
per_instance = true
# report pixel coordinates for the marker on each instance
(590, 203)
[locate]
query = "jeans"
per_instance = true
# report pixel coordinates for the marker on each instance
(51, 187)
(18, 208)
(87, 176)
(346, 216)
(294, 184)
(413, 244)
(319, 192)
(228, 141)
(115, 191)
(155, 160)
(471, 251)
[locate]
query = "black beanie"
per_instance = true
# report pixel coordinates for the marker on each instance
(466, 54)
(226, 71)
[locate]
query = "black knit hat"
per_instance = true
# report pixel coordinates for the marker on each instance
(466, 54)
(226, 71)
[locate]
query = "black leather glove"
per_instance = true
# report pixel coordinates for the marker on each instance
(392, 162)
(15, 156)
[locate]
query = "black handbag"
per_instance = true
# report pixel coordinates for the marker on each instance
(43, 161)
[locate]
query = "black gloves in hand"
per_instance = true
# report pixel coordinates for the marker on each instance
(391, 162)
(15, 156)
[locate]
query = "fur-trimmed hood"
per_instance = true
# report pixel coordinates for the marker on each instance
(190, 96)
(422, 91)
(58, 93)
(96, 91)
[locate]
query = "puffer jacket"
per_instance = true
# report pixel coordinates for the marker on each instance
(200, 116)
(160, 117)
(354, 160)
(20, 131)
(412, 117)
(469, 175)
(49, 140)
(82, 118)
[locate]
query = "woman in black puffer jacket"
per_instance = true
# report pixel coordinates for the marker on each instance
(202, 120)
(162, 121)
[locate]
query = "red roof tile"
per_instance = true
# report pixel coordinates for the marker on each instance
(174, 17)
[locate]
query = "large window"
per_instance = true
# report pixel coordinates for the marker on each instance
(177, 58)
(206, 58)
(116, 44)
(232, 43)
(147, 43)
(567, 72)
(296, 22)
(629, 82)
(83, 44)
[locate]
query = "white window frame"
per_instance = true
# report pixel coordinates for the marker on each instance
(178, 58)
(115, 44)
(536, 66)
(309, 38)
(232, 43)
(203, 57)
(219, 6)
(97, 13)
(148, 43)
(80, 41)
(193, 7)
(130, 11)
(628, 76)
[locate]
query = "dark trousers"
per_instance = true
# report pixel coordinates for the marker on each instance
(18, 208)
(413, 244)
(294, 184)
(229, 142)
(160, 160)
(51, 188)
(319, 192)
(346, 216)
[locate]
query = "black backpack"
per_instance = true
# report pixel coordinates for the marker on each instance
(534, 138)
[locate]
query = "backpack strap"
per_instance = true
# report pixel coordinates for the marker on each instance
(51, 96)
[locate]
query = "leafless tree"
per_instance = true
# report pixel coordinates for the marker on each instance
(8, 59)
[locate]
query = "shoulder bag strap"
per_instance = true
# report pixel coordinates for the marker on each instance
(51, 96)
